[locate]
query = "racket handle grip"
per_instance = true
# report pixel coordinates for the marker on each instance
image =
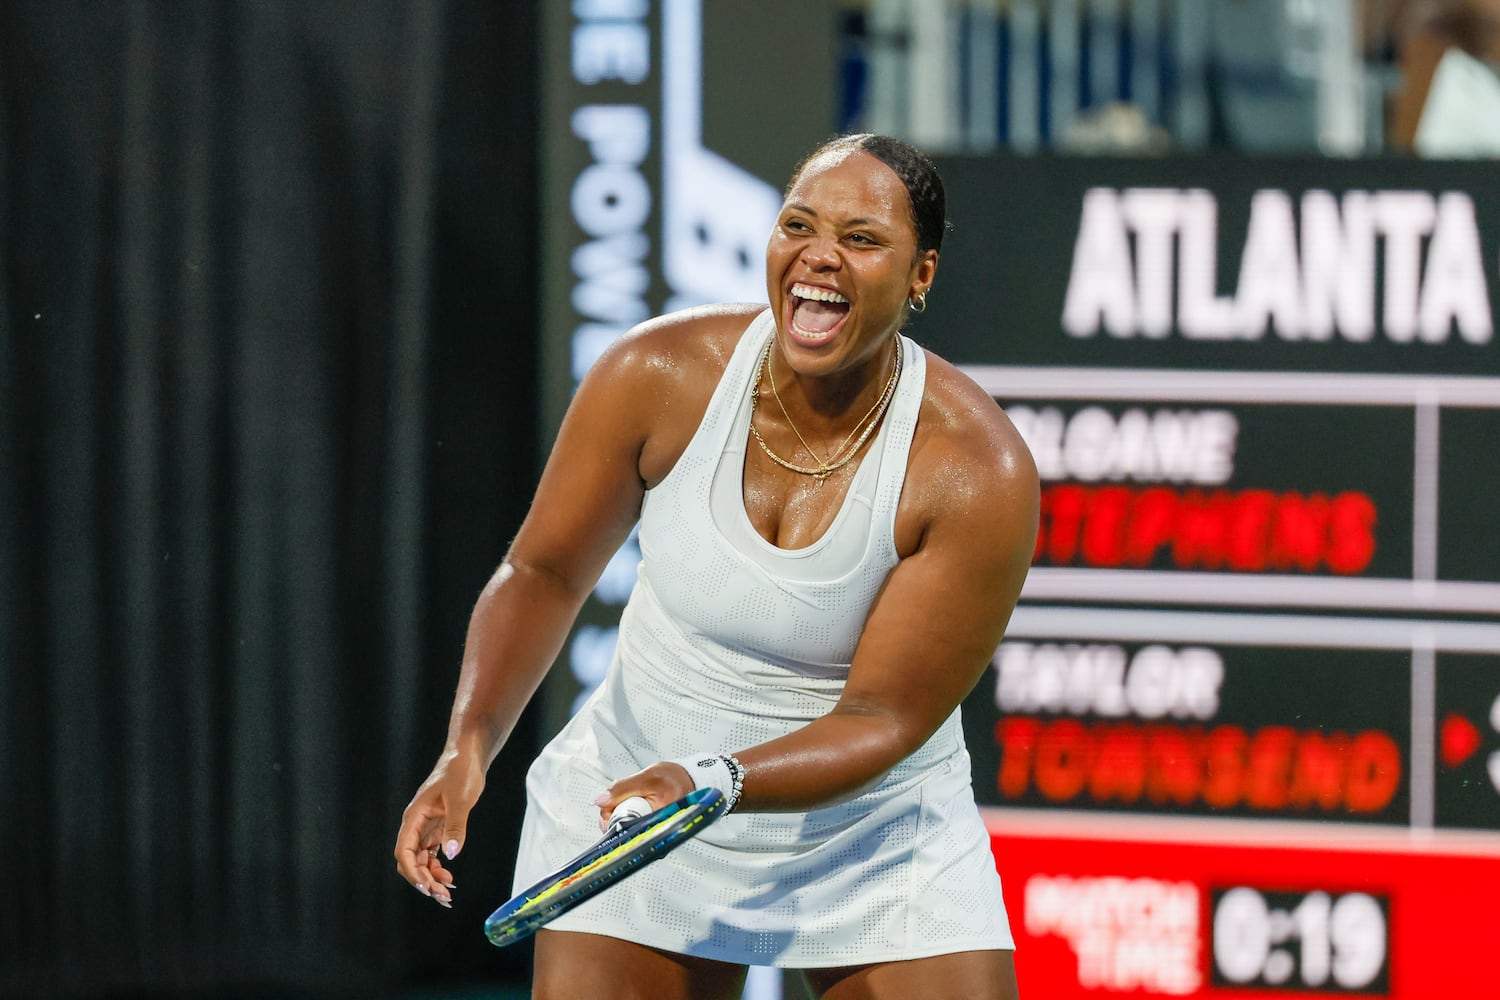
(627, 812)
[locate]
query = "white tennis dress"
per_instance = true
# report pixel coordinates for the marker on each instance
(727, 642)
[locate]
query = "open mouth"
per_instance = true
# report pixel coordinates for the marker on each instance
(817, 313)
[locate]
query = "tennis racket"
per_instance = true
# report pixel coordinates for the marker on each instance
(633, 840)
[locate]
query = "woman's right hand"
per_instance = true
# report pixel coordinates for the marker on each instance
(659, 784)
(433, 825)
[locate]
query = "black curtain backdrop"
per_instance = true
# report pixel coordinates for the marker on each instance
(268, 362)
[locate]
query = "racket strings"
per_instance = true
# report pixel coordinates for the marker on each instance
(648, 840)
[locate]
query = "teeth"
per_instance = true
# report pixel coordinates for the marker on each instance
(817, 294)
(809, 335)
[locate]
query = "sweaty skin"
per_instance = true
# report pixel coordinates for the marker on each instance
(965, 530)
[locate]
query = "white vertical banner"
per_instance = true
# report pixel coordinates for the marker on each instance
(644, 217)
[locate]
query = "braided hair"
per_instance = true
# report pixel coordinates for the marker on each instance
(924, 188)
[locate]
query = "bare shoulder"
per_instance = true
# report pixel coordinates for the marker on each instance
(678, 347)
(962, 429)
(969, 465)
(654, 383)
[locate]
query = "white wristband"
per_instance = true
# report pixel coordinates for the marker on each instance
(715, 770)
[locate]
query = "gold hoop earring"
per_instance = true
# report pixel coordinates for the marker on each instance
(918, 304)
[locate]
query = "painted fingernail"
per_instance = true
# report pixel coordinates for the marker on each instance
(443, 897)
(603, 798)
(451, 849)
(423, 889)
(449, 885)
(445, 904)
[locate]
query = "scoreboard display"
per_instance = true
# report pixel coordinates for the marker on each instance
(1242, 737)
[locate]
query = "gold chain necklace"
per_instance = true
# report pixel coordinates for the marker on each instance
(833, 464)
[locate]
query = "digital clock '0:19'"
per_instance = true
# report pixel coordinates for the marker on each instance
(1305, 941)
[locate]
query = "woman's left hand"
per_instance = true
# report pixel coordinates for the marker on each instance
(660, 784)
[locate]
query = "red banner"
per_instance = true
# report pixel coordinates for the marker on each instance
(1111, 905)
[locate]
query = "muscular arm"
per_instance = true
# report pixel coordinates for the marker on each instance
(584, 506)
(933, 627)
(966, 532)
(583, 509)
(629, 419)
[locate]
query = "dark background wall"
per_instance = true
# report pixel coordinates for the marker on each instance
(268, 340)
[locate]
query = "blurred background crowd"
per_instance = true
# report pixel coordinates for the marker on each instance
(1341, 78)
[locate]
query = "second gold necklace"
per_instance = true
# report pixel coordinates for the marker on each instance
(869, 422)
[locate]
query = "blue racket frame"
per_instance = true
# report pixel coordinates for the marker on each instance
(619, 854)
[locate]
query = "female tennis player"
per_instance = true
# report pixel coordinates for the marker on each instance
(834, 526)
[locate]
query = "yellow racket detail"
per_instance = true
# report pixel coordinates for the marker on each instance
(611, 859)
